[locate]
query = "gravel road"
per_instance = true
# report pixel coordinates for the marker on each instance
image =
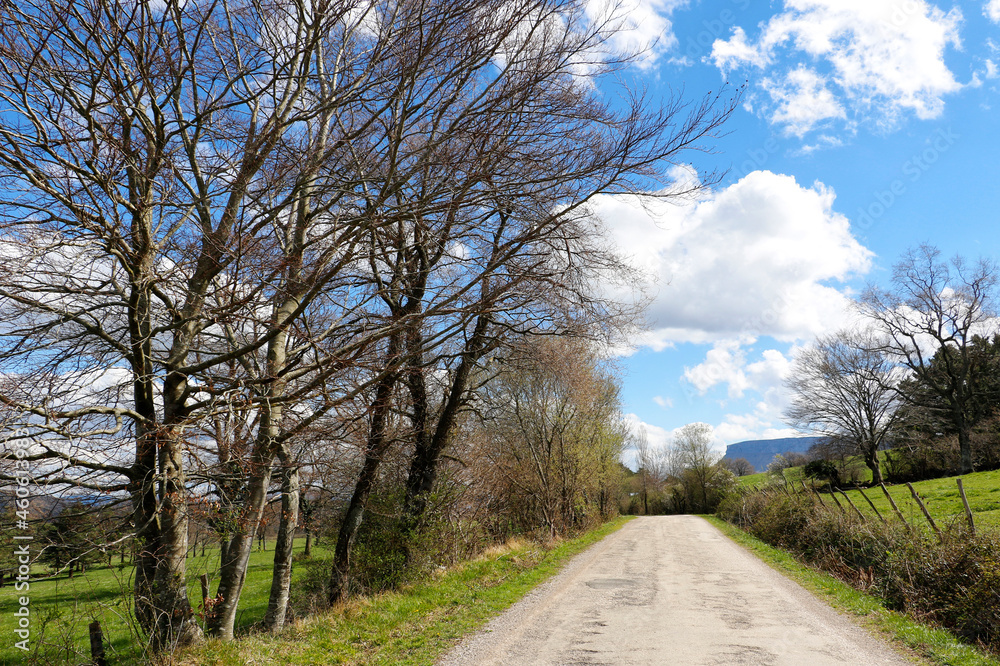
(671, 590)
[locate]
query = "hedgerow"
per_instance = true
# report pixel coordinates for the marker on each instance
(952, 580)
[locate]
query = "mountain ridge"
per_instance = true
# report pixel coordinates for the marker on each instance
(761, 452)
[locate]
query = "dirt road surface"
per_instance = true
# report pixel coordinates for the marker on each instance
(671, 590)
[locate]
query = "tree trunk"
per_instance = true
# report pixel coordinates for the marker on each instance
(645, 495)
(223, 548)
(160, 516)
(428, 449)
(376, 448)
(423, 462)
(232, 572)
(234, 569)
(143, 487)
(340, 576)
(281, 578)
(174, 623)
(965, 448)
(872, 461)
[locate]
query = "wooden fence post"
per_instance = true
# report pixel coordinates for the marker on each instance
(872, 505)
(97, 644)
(814, 492)
(926, 513)
(856, 509)
(892, 503)
(968, 510)
(833, 494)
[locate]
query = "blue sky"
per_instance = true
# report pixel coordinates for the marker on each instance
(867, 127)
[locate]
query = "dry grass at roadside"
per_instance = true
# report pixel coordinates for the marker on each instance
(952, 582)
(413, 625)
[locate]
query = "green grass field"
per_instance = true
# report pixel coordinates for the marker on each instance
(62, 607)
(940, 496)
(411, 626)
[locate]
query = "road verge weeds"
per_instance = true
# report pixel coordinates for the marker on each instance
(413, 625)
(952, 581)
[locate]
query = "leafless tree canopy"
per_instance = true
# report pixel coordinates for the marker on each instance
(846, 390)
(233, 232)
(934, 304)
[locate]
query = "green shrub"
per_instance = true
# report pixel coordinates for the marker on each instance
(956, 583)
(825, 470)
(953, 581)
(311, 591)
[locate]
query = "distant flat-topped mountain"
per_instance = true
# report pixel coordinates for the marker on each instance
(760, 452)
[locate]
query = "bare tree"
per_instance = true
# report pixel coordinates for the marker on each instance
(934, 305)
(738, 466)
(276, 208)
(646, 459)
(144, 155)
(500, 240)
(845, 390)
(554, 424)
(693, 443)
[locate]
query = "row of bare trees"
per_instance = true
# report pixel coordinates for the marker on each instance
(919, 358)
(684, 474)
(553, 435)
(238, 239)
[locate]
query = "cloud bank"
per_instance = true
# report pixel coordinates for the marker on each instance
(839, 63)
(762, 257)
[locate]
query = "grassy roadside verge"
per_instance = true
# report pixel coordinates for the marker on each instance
(937, 646)
(411, 626)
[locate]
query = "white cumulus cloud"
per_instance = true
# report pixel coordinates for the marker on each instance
(802, 101)
(642, 26)
(759, 258)
(992, 10)
(726, 363)
(849, 60)
(665, 403)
